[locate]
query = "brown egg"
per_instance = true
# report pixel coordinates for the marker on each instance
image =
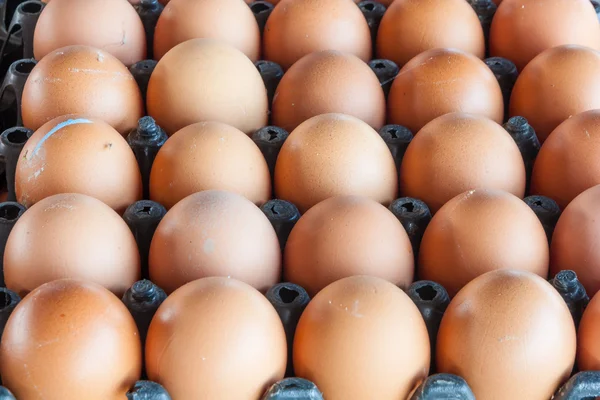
(362, 338)
(70, 340)
(567, 162)
(588, 348)
(522, 29)
(510, 335)
(479, 231)
(76, 154)
(410, 27)
(555, 85)
(214, 233)
(574, 240)
(345, 236)
(231, 21)
(82, 80)
(458, 152)
(216, 338)
(326, 82)
(334, 155)
(296, 28)
(111, 25)
(442, 81)
(206, 80)
(209, 155)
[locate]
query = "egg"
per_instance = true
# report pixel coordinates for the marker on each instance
(479, 231)
(334, 155)
(296, 28)
(82, 80)
(518, 327)
(231, 21)
(567, 162)
(209, 155)
(522, 29)
(325, 82)
(442, 81)
(207, 80)
(588, 350)
(410, 27)
(214, 233)
(70, 340)
(216, 338)
(557, 84)
(345, 236)
(362, 338)
(111, 25)
(458, 152)
(77, 154)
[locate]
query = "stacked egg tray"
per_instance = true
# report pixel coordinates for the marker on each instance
(144, 297)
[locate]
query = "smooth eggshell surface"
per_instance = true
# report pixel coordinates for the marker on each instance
(345, 236)
(216, 338)
(510, 335)
(588, 347)
(362, 338)
(70, 340)
(479, 231)
(442, 81)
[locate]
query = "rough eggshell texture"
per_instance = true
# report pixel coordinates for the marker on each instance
(71, 236)
(574, 242)
(588, 347)
(442, 81)
(214, 233)
(111, 25)
(567, 163)
(346, 236)
(82, 80)
(216, 338)
(326, 82)
(231, 21)
(510, 335)
(70, 340)
(479, 231)
(555, 85)
(410, 27)
(76, 154)
(459, 152)
(296, 28)
(544, 24)
(362, 338)
(209, 155)
(334, 155)
(207, 80)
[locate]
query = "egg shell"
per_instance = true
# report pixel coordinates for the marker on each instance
(459, 152)
(410, 27)
(231, 21)
(77, 154)
(479, 231)
(567, 163)
(296, 28)
(81, 80)
(111, 25)
(216, 338)
(214, 233)
(326, 82)
(362, 338)
(345, 236)
(518, 327)
(209, 155)
(544, 24)
(588, 348)
(207, 80)
(334, 155)
(442, 81)
(557, 84)
(70, 340)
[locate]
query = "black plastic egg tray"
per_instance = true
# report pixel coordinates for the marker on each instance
(17, 23)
